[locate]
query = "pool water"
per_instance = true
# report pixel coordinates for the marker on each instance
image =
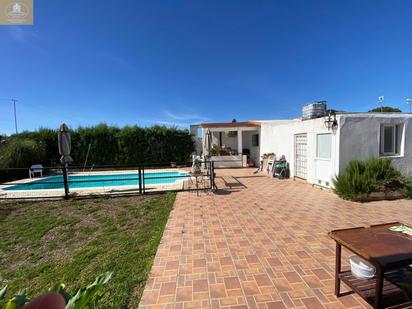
(104, 180)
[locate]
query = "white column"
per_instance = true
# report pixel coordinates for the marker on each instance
(203, 140)
(239, 141)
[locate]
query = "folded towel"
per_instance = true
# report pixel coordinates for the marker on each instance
(402, 228)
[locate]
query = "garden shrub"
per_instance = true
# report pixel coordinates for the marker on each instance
(48, 138)
(215, 151)
(373, 175)
(407, 189)
(21, 152)
(353, 181)
(382, 176)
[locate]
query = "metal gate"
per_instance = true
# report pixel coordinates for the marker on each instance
(301, 141)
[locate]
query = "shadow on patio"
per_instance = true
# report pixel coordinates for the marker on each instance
(258, 242)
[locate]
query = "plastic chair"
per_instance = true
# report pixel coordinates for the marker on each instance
(36, 168)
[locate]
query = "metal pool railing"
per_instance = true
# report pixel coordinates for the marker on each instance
(104, 180)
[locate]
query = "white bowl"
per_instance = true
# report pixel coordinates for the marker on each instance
(360, 268)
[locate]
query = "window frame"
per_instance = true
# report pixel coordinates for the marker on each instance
(397, 140)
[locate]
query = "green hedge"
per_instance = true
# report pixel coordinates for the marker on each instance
(109, 145)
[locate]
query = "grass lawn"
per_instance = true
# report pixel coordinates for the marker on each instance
(74, 241)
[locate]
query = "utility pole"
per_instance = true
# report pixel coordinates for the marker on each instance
(409, 102)
(15, 115)
(14, 109)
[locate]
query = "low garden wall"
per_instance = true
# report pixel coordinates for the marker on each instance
(229, 161)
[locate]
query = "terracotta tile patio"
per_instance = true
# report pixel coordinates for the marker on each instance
(258, 242)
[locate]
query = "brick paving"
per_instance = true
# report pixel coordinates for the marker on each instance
(258, 242)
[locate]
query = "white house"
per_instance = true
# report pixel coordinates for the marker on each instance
(316, 150)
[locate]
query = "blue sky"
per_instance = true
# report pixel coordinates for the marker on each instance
(181, 62)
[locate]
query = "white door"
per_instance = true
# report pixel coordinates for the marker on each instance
(323, 161)
(301, 142)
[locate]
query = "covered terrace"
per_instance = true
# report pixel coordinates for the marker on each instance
(236, 141)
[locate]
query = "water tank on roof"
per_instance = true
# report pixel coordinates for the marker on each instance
(314, 110)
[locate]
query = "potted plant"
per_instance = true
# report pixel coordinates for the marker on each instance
(215, 151)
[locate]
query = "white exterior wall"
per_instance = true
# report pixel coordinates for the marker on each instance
(280, 139)
(357, 138)
(360, 139)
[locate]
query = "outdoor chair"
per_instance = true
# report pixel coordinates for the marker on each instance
(36, 169)
(280, 170)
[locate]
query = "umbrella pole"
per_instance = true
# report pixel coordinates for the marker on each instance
(66, 182)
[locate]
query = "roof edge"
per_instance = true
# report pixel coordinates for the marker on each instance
(230, 124)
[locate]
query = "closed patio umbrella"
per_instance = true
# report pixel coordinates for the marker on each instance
(207, 149)
(65, 146)
(207, 142)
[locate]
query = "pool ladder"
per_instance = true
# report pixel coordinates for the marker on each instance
(91, 168)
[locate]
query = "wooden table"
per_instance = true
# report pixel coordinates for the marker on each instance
(390, 252)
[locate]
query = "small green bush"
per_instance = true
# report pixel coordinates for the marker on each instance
(382, 176)
(407, 189)
(372, 175)
(215, 151)
(353, 181)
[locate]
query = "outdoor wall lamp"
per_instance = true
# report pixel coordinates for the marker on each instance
(331, 123)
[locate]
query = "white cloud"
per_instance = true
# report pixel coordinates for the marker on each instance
(186, 117)
(23, 35)
(179, 124)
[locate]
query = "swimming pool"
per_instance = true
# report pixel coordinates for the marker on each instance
(101, 180)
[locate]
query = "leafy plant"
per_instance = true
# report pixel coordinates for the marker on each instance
(16, 302)
(215, 151)
(21, 152)
(3, 293)
(353, 182)
(373, 175)
(83, 298)
(407, 189)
